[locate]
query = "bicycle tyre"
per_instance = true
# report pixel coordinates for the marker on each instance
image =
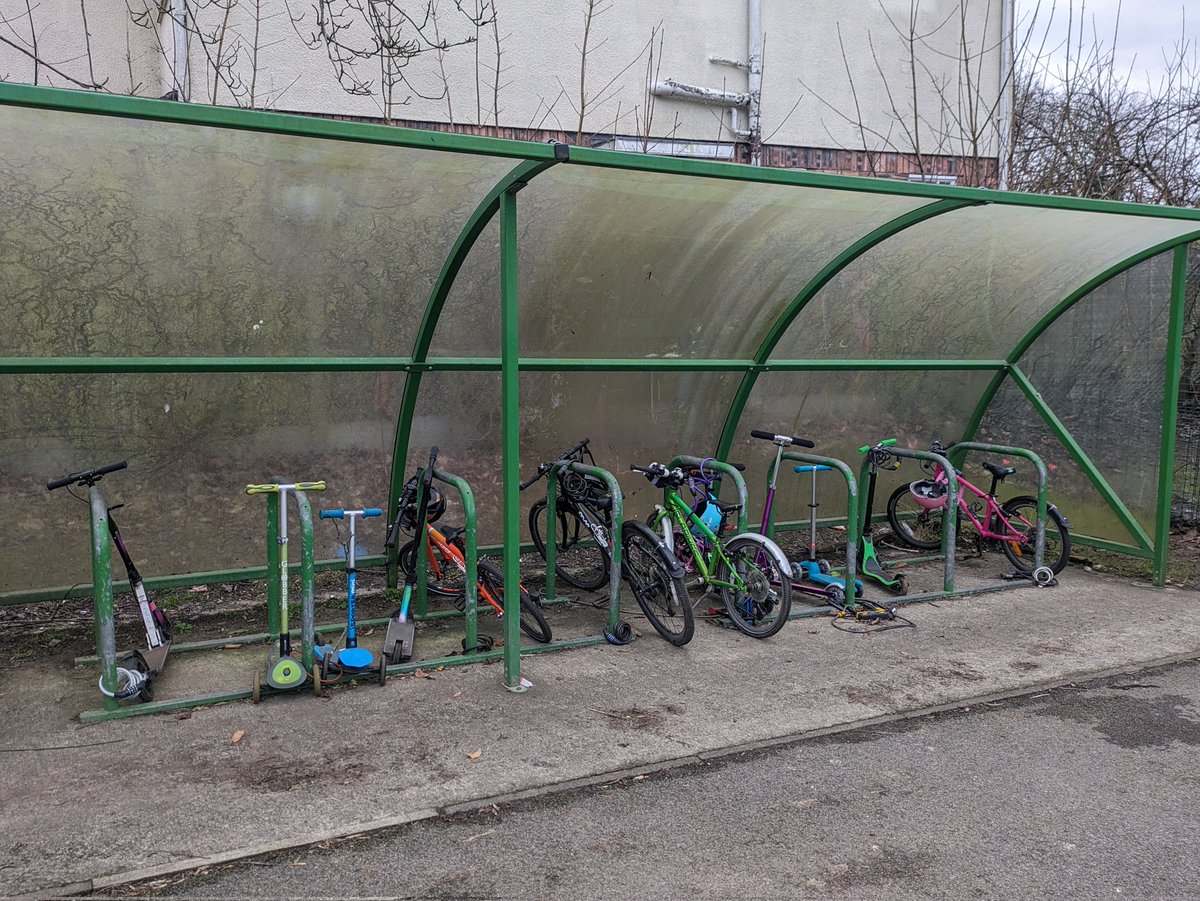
(451, 585)
(585, 567)
(661, 594)
(912, 524)
(533, 621)
(1021, 555)
(763, 609)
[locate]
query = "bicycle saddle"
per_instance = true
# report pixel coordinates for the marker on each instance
(998, 471)
(454, 535)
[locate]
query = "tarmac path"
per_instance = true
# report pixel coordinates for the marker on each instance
(1082, 792)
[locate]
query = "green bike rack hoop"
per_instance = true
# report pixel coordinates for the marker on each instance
(852, 528)
(949, 526)
(618, 517)
(739, 482)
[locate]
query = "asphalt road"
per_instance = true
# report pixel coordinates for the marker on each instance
(1082, 792)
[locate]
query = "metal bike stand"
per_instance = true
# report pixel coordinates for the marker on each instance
(852, 523)
(471, 554)
(949, 522)
(739, 482)
(618, 517)
(1039, 544)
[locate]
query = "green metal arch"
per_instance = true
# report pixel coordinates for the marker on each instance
(734, 415)
(1058, 310)
(471, 230)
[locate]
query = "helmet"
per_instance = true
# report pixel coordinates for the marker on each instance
(435, 506)
(710, 515)
(928, 494)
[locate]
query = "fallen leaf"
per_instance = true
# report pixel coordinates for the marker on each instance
(230, 647)
(199, 589)
(421, 674)
(237, 736)
(457, 694)
(474, 755)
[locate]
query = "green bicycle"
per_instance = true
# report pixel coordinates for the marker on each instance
(749, 570)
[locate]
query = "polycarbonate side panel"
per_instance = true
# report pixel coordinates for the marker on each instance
(965, 285)
(630, 417)
(642, 264)
(841, 412)
(1100, 368)
(120, 237)
(193, 443)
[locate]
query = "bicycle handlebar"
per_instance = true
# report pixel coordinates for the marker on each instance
(544, 468)
(783, 440)
(87, 477)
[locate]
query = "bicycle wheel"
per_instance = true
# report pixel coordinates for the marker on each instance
(911, 523)
(446, 581)
(761, 606)
(533, 621)
(662, 596)
(578, 561)
(1021, 513)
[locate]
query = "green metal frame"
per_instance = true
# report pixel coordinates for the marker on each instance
(532, 160)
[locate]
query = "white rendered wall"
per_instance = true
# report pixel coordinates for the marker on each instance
(813, 94)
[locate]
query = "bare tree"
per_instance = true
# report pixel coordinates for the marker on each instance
(371, 43)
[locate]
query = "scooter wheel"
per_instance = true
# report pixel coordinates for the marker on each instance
(837, 597)
(316, 678)
(901, 584)
(824, 567)
(147, 692)
(256, 689)
(383, 665)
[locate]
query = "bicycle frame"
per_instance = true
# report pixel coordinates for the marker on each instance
(437, 541)
(994, 513)
(681, 515)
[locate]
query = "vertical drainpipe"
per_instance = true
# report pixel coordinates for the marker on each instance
(173, 35)
(754, 45)
(1004, 108)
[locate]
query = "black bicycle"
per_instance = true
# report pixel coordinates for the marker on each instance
(583, 546)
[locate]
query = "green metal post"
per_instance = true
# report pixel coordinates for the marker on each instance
(1166, 457)
(273, 596)
(852, 517)
(510, 415)
(618, 517)
(102, 598)
(1043, 478)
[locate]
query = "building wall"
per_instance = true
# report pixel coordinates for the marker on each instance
(836, 75)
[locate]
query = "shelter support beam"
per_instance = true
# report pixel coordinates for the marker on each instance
(1166, 458)
(510, 437)
(1085, 463)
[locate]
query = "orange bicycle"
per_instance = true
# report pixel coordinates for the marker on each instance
(447, 569)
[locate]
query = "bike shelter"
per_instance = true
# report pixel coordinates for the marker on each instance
(217, 293)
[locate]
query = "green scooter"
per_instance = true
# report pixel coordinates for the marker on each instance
(869, 562)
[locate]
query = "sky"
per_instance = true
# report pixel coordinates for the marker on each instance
(1145, 28)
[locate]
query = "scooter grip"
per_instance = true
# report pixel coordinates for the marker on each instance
(332, 514)
(372, 511)
(310, 486)
(262, 489)
(812, 468)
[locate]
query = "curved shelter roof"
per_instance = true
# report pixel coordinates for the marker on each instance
(221, 291)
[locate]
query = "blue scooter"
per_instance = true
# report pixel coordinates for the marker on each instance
(819, 572)
(351, 658)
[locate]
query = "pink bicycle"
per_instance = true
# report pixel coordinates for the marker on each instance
(915, 512)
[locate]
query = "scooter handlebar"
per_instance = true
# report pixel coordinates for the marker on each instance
(885, 443)
(785, 440)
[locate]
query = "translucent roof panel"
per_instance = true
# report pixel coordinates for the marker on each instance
(841, 412)
(966, 284)
(120, 237)
(193, 442)
(1100, 368)
(637, 264)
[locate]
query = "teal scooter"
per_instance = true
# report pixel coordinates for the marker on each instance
(869, 562)
(819, 572)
